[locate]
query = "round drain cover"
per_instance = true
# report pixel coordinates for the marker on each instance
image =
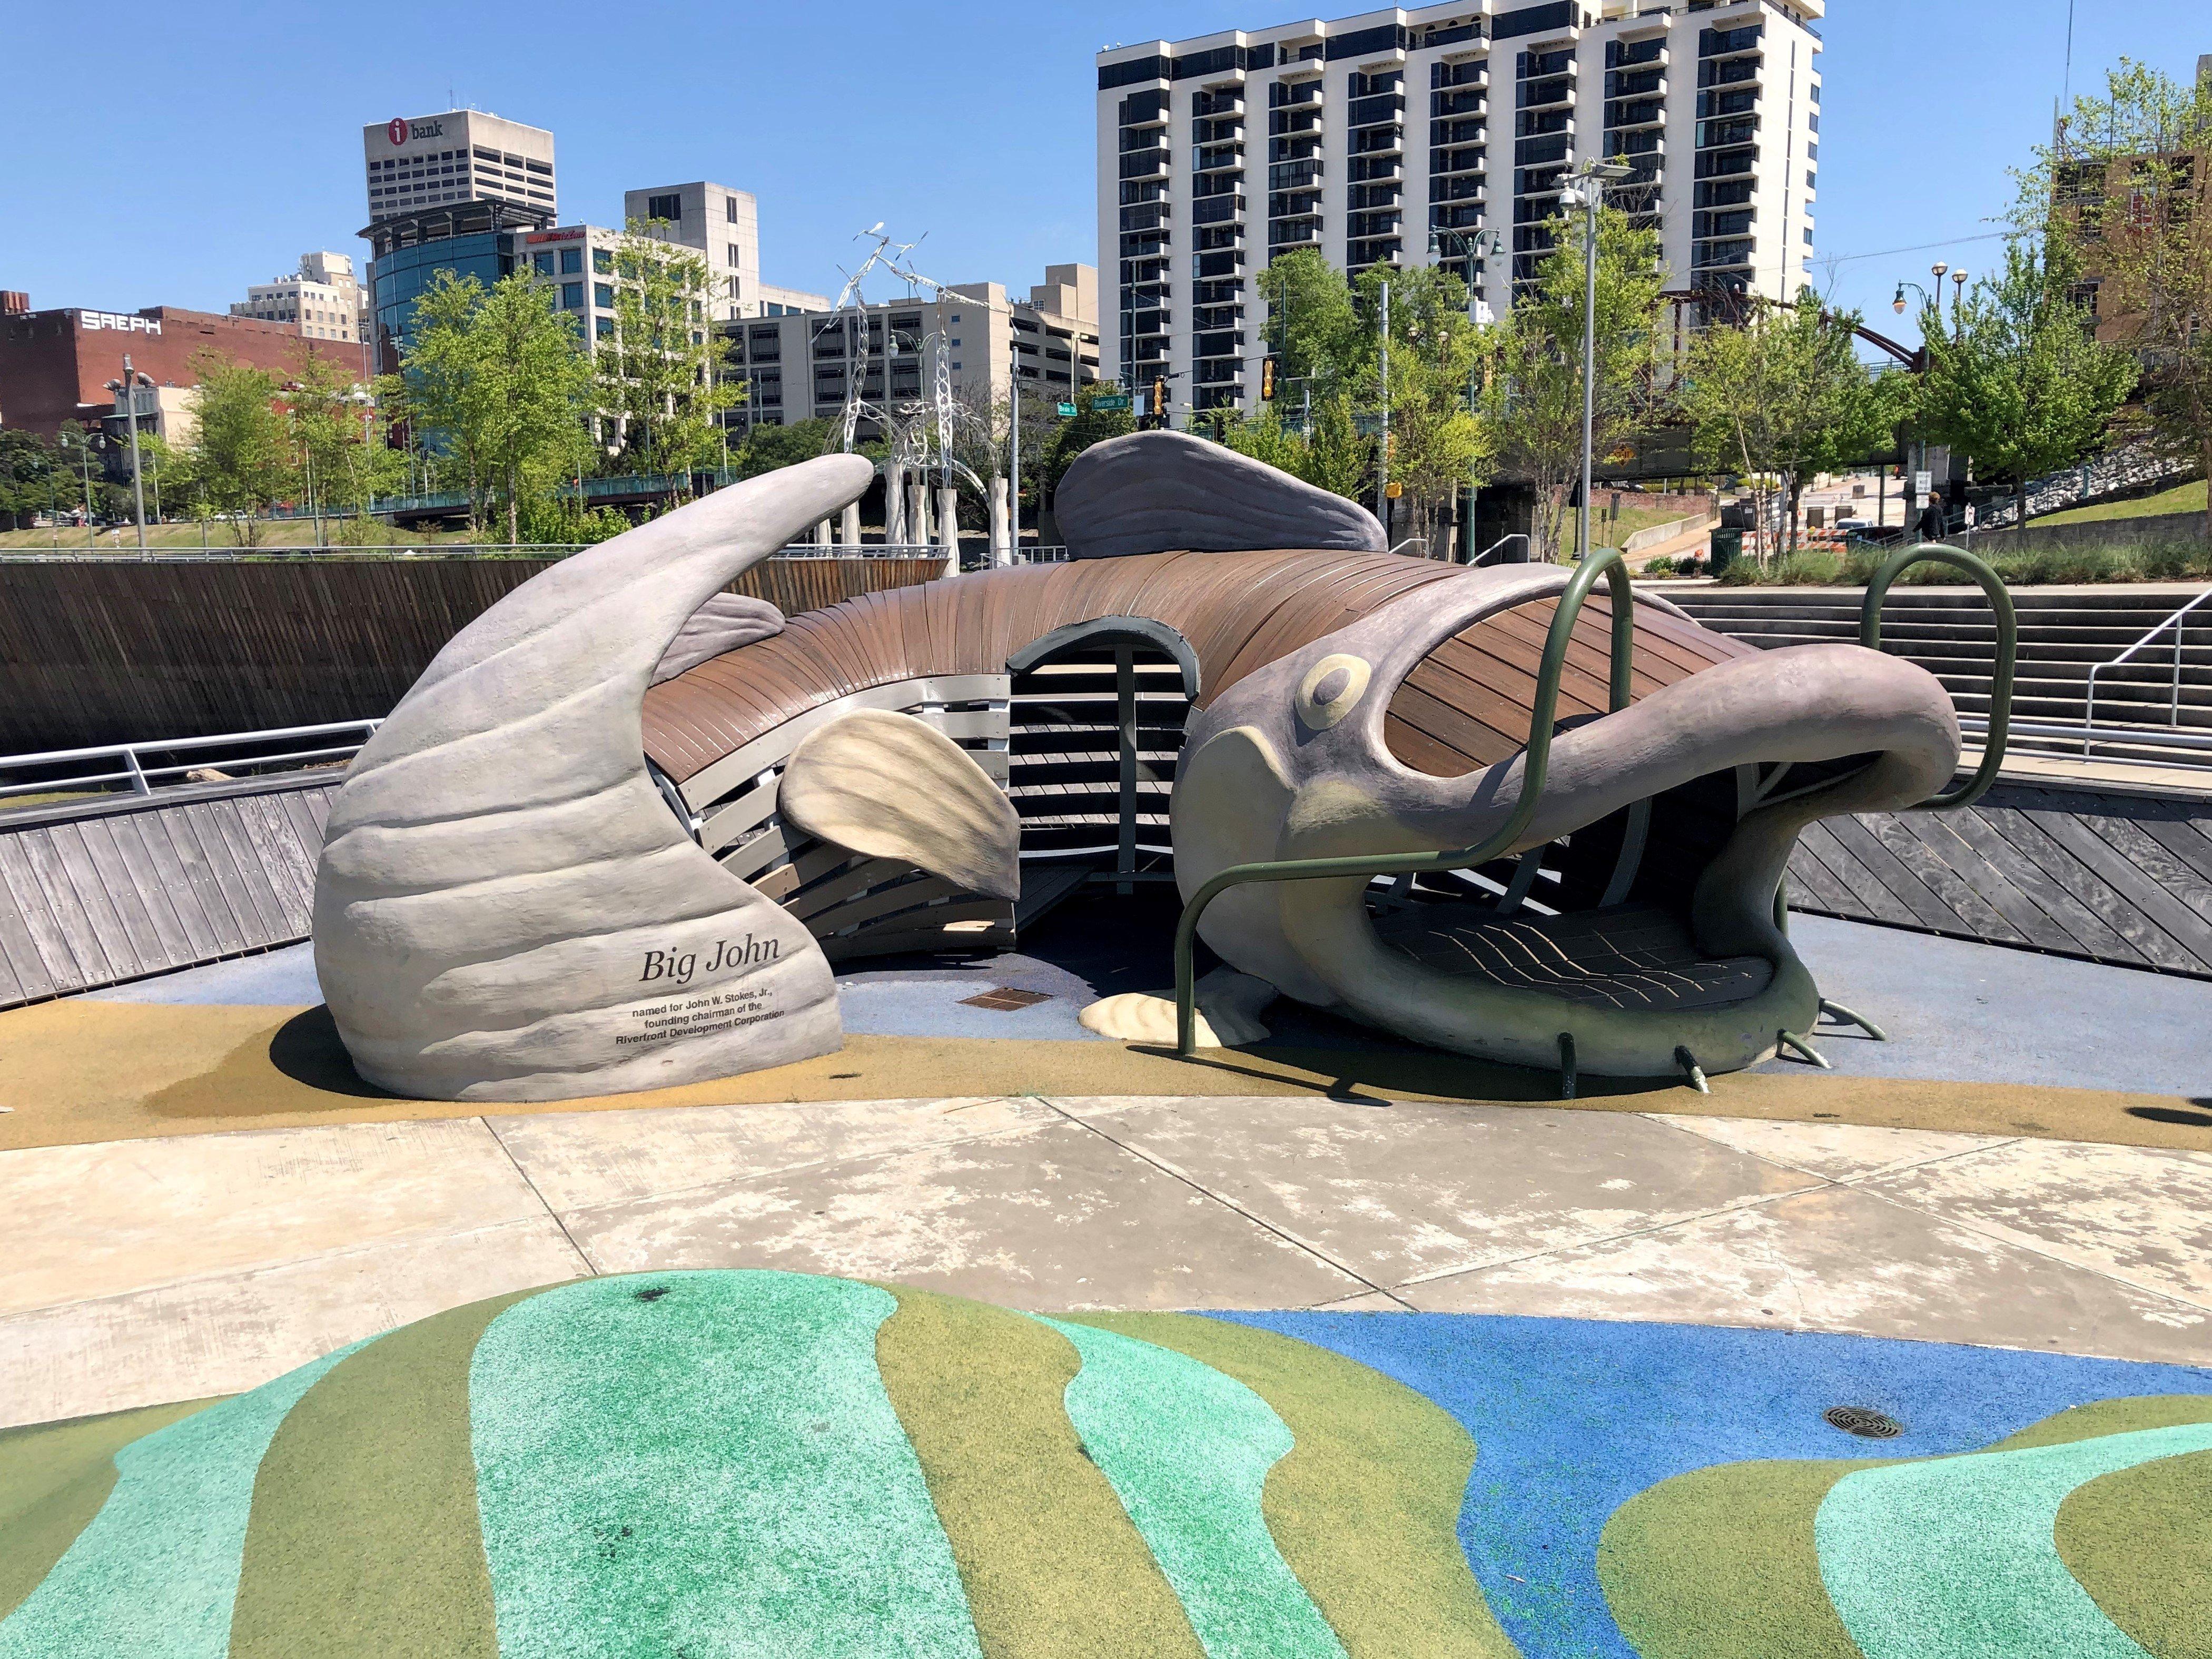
(1861, 1420)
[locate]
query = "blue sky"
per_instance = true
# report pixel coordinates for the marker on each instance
(231, 140)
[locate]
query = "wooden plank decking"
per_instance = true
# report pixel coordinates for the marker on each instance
(128, 886)
(2096, 874)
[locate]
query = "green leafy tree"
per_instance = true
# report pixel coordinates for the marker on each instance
(663, 375)
(2020, 383)
(1090, 425)
(1535, 396)
(2123, 195)
(497, 383)
(333, 426)
(240, 455)
(1440, 442)
(1783, 397)
(1314, 328)
(31, 477)
(766, 448)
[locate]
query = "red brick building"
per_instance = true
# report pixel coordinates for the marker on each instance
(55, 365)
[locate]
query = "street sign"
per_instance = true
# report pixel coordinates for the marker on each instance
(1367, 426)
(1067, 411)
(1922, 481)
(1110, 401)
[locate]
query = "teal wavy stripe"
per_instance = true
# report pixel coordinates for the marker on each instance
(1187, 1450)
(154, 1574)
(705, 1464)
(1957, 1558)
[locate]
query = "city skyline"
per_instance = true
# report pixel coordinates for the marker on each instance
(1924, 114)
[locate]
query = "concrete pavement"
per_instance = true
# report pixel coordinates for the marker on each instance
(153, 1270)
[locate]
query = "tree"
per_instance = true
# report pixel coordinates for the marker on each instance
(661, 375)
(2020, 384)
(1089, 425)
(1784, 396)
(332, 425)
(240, 456)
(1314, 328)
(30, 477)
(2123, 194)
(496, 384)
(1438, 442)
(1534, 400)
(766, 448)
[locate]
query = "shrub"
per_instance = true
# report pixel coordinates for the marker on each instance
(1662, 566)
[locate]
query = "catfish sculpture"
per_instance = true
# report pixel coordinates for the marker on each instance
(612, 837)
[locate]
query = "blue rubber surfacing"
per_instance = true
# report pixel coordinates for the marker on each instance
(1572, 1417)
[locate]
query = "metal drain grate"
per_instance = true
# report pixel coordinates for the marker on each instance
(1862, 1421)
(1006, 1000)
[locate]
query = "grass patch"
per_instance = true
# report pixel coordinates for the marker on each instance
(2169, 561)
(2182, 498)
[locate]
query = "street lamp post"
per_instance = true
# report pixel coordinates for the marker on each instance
(1586, 190)
(126, 393)
(1934, 301)
(1383, 459)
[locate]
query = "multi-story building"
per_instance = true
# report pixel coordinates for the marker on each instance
(1370, 139)
(55, 365)
(322, 299)
(723, 225)
(796, 366)
(419, 163)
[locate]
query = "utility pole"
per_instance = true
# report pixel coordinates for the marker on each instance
(1014, 453)
(1382, 455)
(1589, 194)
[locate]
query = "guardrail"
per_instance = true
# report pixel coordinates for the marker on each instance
(1606, 563)
(137, 776)
(2178, 622)
(443, 551)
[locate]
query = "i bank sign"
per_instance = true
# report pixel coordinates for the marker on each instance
(400, 131)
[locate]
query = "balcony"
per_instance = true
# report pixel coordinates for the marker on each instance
(1375, 196)
(1470, 159)
(1722, 256)
(1729, 72)
(1212, 158)
(1541, 94)
(1293, 233)
(1217, 317)
(1359, 255)
(1376, 140)
(1216, 209)
(1536, 152)
(1289, 94)
(1636, 112)
(1293, 203)
(1726, 163)
(1730, 43)
(1469, 130)
(1464, 215)
(1466, 187)
(1224, 262)
(1720, 135)
(1145, 164)
(1287, 123)
(1645, 143)
(1228, 343)
(1464, 100)
(1373, 110)
(1290, 175)
(1628, 54)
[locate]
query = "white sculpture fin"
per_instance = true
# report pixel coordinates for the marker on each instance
(894, 787)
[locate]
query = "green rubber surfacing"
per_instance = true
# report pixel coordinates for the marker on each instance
(705, 1464)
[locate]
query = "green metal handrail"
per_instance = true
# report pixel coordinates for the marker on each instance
(2000, 727)
(1603, 561)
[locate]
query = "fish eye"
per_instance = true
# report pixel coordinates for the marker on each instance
(1331, 690)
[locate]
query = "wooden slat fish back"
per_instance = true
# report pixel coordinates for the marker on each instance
(1239, 610)
(1466, 705)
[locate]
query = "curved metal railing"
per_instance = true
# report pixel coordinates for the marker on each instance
(2000, 721)
(1605, 563)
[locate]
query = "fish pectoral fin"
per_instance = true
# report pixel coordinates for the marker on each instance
(1229, 1005)
(726, 622)
(894, 787)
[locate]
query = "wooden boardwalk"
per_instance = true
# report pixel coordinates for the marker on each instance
(98, 893)
(2096, 874)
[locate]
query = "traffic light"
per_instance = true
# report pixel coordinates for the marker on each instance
(1267, 380)
(1160, 397)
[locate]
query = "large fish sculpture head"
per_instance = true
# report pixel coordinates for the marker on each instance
(1639, 920)
(506, 906)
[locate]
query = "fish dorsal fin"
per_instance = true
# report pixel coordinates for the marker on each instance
(1164, 492)
(894, 787)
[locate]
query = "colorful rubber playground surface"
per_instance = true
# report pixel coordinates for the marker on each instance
(760, 1463)
(987, 1337)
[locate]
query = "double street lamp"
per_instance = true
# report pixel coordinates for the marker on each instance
(1585, 189)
